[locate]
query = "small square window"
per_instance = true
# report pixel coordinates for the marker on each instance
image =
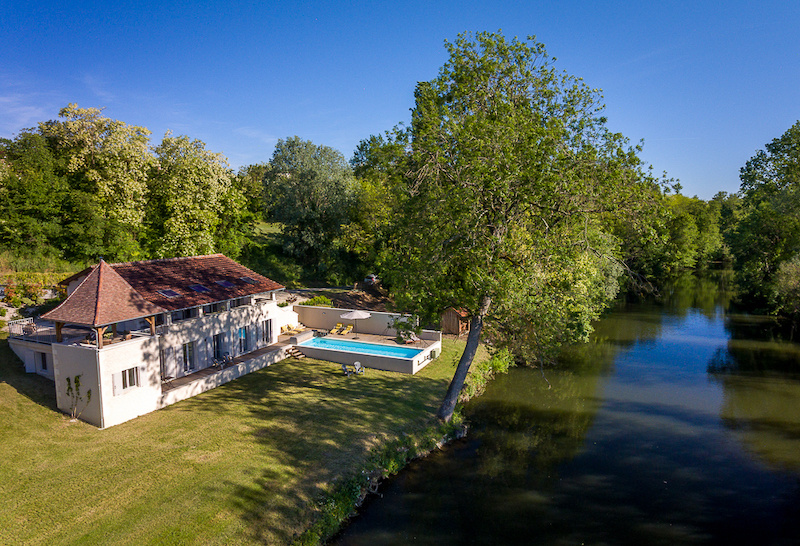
(225, 284)
(248, 280)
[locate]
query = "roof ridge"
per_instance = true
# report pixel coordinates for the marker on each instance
(99, 290)
(175, 259)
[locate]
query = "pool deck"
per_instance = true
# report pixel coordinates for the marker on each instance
(381, 340)
(429, 349)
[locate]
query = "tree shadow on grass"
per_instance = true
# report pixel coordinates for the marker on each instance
(319, 424)
(32, 386)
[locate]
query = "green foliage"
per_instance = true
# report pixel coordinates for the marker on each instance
(249, 181)
(694, 234)
(192, 200)
(318, 301)
(768, 232)
(787, 287)
(386, 460)
(311, 190)
(106, 163)
(512, 174)
(85, 186)
(75, 396)
(483, 372)
(380, 164)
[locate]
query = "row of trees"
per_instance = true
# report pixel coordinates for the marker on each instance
(506, 195)
(86, 186)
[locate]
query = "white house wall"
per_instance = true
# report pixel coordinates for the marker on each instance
(72, 361)
(201, 331)
(122, 405)
(28, 352)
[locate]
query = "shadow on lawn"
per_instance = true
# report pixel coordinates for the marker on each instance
(32, 386)
(322, 424)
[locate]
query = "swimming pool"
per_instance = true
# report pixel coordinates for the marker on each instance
(372, 355)
(361, 347)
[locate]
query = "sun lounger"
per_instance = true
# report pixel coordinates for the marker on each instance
(335, 329)
(346, 330)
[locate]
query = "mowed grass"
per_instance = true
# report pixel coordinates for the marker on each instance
(244, 463)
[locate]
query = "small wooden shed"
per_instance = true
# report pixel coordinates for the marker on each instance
(455, 321)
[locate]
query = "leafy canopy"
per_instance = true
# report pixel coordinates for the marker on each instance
(512, 179)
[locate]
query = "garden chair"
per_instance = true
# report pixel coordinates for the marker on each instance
(346, 370)
(359, 368)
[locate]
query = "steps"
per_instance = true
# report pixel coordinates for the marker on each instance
(294, 352)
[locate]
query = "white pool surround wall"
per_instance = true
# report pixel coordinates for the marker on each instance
(379, 323)
(378, 362)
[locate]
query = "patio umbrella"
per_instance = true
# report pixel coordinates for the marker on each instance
(355, 315)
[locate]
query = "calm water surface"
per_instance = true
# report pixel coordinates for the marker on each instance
(678, 424)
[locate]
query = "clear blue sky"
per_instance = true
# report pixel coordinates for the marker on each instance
(705, 84)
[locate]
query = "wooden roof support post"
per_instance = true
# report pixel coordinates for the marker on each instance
(152, 322)
(100, 331)
(59, 335)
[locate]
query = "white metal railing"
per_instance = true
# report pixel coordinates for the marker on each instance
(16, 327)
(28, 329)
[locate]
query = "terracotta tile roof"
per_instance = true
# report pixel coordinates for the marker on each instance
(103, 298)
(136, 289)
(179, 274)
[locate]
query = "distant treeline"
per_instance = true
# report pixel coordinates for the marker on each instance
(85, 186)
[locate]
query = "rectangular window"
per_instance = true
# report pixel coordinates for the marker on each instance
(243, 339)
(266, 331)
(124, 380)
(184, 314)
(188, 356)
(43, 361)
(217, 341)
(215, 308)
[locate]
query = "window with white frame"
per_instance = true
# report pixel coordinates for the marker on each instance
(188, 356)
(266, 331)
(125, 380)
(243, 339)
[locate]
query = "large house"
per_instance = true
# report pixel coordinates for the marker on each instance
(132, 331)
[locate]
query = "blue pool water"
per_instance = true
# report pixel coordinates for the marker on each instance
(360, 347)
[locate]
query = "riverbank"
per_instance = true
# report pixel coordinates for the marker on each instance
(254, 461)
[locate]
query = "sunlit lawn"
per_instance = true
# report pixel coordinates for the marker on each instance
(243, 463)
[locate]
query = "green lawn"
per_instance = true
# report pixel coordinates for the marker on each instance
(243, 463)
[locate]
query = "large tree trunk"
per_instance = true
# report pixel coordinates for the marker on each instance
(448, 406)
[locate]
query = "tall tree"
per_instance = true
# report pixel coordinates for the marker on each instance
(250, 182)
(768, 232)
(512, 173)
(31, 195)
(193, 206)
(379, 163)
(107, 161)
(311, 190)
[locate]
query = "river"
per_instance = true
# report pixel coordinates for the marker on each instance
(678, 423)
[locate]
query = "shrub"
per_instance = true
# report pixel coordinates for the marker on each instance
(3, 311)
(318, 301)
(480, 375)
